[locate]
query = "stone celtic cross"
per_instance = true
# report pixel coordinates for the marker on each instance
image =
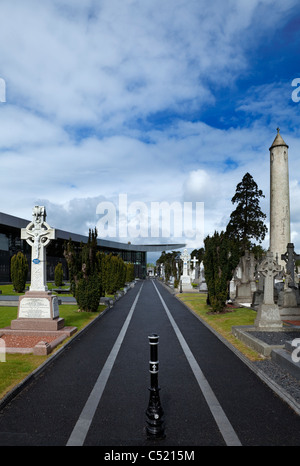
(185, 257)
(290, 257)
(269, 269)
(38, 235)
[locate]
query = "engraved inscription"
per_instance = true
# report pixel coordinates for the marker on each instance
(35, 308)
(55, 308)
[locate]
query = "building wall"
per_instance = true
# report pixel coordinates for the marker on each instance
(11, 243)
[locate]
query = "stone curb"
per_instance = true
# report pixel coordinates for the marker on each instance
(266, 379)
(17, 389)
(33, 375)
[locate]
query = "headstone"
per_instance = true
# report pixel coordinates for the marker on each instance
(268, 316)
(288, 297)
(246, 287)
(38, 308)
(202, 281)
(2, 350)
(290, 257)
(185, 278)
(194, 262)
(258, 294)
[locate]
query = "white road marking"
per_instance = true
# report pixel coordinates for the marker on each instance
(226, 429)
(83, 424)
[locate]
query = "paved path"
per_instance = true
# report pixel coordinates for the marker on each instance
(96, 391)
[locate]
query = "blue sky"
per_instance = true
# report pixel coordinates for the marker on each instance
(163, 100)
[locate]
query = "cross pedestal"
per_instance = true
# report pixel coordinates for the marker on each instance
(185, 278)
(38, 308)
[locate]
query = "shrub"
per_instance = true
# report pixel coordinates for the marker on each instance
(19, 271)
(58, 274)
(88, 293)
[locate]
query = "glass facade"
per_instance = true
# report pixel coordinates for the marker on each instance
(11, 243)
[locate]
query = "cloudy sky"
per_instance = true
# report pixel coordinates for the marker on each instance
(158, 100)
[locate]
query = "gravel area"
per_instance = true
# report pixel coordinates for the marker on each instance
(275, 338)
(283, 378)
(26, 341)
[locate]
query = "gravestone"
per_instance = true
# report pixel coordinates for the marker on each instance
(268, 315)
(38, 307)
(194, 262)
(288, 298)
(202, 281)
(246, 286)
(185, 278)
(258, 294)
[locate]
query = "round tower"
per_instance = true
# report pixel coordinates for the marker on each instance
(279, 198)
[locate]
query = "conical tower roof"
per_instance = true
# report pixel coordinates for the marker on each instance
(278, 141)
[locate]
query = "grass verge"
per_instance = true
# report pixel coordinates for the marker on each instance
(223, 323)
(18, 366)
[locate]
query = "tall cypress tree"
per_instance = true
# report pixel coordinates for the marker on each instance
(19, 271)
(247, 220)
(220, 260)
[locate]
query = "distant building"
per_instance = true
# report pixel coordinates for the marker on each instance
(11, 243)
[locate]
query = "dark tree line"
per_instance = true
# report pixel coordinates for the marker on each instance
(94, 273)
(224, 250)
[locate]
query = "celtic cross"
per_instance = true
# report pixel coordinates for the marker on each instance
(38, 235)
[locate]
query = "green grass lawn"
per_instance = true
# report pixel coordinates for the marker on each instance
(8, 290)
(223, 323)
(17, 366)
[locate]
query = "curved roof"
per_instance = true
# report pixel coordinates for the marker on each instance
(16, 222)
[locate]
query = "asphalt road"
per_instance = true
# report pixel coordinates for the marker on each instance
(96, 392)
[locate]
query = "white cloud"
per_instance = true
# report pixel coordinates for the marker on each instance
(106, 97)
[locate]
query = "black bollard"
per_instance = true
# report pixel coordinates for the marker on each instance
(154, 413)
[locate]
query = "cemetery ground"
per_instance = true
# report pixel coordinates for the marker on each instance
(18, 366)
(50, 409)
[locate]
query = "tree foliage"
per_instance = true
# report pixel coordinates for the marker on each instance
(58, 274)
(220, 260)
(19, 271)
(94, 273)
(247, 220)
(169, 261)
(223, 250)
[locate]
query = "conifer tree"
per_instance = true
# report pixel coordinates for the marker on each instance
(58, 274)
(247, 220)
(19, 271)
(220, 260)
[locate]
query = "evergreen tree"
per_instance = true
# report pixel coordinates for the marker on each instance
(247, 220)
(85, 273)
(58, 274)
(169, 261)
(19, 271)
(130, 276)
(220, 260)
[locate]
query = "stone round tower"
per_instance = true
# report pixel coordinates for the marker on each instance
(279, 198)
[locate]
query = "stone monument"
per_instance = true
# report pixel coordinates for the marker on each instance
(279, 198)
(288, 298)
(194, 271)
(185, 278)
(246, 286)
(38, 308)
(268, 315)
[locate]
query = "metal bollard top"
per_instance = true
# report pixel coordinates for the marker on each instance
(153, 339)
